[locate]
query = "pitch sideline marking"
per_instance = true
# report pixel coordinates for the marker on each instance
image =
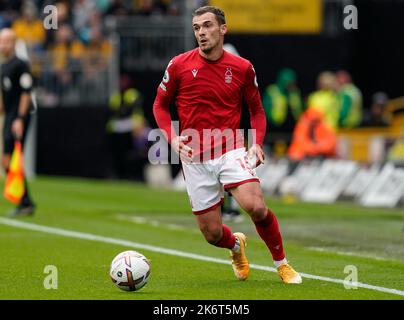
(351, 254)
(93, 237)
(153, 223)
(140, 220)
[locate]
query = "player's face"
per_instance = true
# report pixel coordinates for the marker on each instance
(208, 32)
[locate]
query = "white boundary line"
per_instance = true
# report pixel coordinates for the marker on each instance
(350, 254)
(126, 243)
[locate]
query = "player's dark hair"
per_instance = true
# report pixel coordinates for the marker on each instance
(219, 13)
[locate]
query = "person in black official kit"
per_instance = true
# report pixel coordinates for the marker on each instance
(16, 84)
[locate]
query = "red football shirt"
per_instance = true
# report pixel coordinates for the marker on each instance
(208, 96)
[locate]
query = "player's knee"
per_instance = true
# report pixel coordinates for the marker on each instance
(212, 234)
(256, 210)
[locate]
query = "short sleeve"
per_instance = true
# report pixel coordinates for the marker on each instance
(25, 79)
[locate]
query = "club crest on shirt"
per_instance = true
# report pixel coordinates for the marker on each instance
(228, 76)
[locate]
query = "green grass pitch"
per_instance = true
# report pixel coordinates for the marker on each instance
(319, 240)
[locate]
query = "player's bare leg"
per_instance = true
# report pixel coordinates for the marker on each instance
(250, 198)
(220, 235)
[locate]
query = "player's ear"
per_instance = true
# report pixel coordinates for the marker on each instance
(223, 29)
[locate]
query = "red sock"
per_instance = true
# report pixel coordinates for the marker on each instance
(228, 239)
(268, 229)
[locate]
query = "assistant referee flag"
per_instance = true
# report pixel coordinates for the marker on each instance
(14, 187)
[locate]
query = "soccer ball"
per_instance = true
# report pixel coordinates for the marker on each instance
(130, 270)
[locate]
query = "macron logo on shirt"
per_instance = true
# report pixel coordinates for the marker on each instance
(194, 72)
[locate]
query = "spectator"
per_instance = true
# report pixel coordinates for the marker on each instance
(315, 133)
(166, 7)
(325, 99)
(145, 7)
(82, 13)
(351, 101)
(312, 137)
(63, 15)
(66, 54)
(139, 155)
(174, 8)
(121, 128)
(102, 5)
(98, 51)
(3, 21)
(9, 12)
(29, 28)
(66, 47)
(94, 23)
(282, 103)
(376, 117)
(117, 8)
(95, 63)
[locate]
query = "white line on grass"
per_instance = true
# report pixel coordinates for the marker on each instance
(169, 226)
(154, 223)
(93, 237)
(350, 254)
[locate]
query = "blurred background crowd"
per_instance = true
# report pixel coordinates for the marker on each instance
(327, 91)
(72, 57)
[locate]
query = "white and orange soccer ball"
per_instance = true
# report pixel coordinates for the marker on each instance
(130, 270)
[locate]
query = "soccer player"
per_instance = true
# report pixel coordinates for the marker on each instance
(16, 83)
(209, 85)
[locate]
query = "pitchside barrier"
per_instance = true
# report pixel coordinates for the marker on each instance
(330, 180)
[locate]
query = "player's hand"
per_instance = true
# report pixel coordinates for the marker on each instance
(256, 155)
(18, 128)
(185, 152)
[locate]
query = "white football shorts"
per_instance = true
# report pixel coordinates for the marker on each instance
(207, 181)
